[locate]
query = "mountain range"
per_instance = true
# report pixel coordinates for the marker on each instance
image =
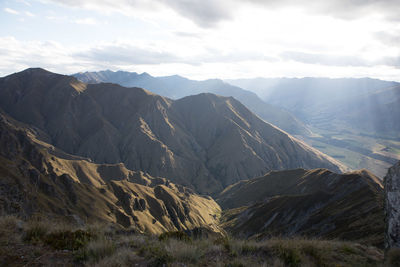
(205, 141)
(176, 87)
(364, 105)
(106, 153)
(352, 120)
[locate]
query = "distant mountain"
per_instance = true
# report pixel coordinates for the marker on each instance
(334, 103)
(377, 112)
(36, 178)
(177, 87)
(313, 203)
(205, 141)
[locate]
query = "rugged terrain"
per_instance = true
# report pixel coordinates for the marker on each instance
(205, 141)
(131, 161)
(37, 178)
(313, 203)
(177, 87)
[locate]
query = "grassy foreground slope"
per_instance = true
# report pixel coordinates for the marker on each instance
(44, 243)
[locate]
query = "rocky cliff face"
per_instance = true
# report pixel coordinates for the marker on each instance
(392, 205)
(205, 142)
(35, 178)
(313, 203)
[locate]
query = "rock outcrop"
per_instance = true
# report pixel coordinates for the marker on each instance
(392, 207)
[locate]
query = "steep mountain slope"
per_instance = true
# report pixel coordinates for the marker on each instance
(316, 203)
(35, 178)
(204, 141)
(177, 87)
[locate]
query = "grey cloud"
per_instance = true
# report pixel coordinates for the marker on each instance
(338, 60)
(388, 38)
(322, 59)
(215, 55)
(205, 13)
(131, 55)
(345, 9)
(391, 61)
(127, 54)
(208, 13)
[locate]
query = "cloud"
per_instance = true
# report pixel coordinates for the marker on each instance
(344, 9)
(388, 38)
(86, 21)
(11, 11)
(205, 13)
(390, 61)
(17, 55)
(126, 54)
(29, 14)
(324, 59)
(339, 60)
(187, 34)
(208, 13)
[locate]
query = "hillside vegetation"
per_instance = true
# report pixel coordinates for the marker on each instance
(43, 243)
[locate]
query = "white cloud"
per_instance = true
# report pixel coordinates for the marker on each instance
(16, 55)
(29, 14)
(11, 11)
(86, 21)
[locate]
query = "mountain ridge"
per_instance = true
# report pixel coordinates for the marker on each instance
(176, 87)
(154, 134)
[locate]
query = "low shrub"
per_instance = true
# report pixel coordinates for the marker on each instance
(35, 231)
(184, 252)
(122, 257)
(290, 256)
(9, 226)
(70, 240)
(178, 235)
(95, 250)
(156, 253)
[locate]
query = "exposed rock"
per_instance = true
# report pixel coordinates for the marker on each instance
(392, 207)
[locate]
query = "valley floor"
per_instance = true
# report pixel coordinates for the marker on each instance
(44, 243)
(356, 151)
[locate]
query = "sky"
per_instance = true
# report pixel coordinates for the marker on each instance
(205, 38)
